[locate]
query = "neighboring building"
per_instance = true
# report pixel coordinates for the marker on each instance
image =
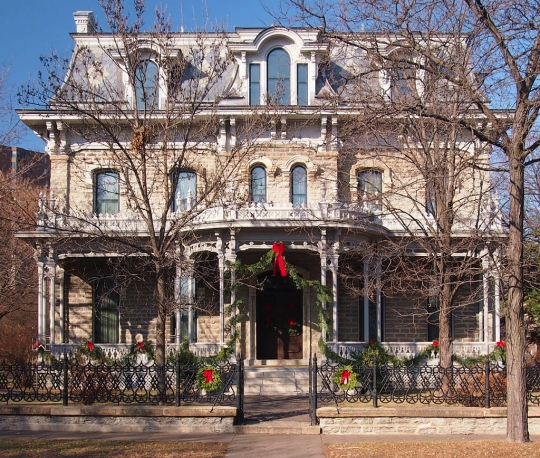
(308, 186)
(29, 165)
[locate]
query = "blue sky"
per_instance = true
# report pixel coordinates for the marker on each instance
(33, 28)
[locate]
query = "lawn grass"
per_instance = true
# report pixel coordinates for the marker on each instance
(453, 449)
(52, 448)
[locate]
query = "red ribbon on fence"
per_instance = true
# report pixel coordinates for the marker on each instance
(208, 375)
(345, 377)
(279, 261)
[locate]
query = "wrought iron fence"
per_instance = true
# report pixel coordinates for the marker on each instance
(481, 385)
(68, 381)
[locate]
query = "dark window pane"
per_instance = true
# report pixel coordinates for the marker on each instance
(258, 184)
(254, 84)
(107, 193)
(299, 186)
(279, 74)
(146, 84)
(302, 84)
(106, 305)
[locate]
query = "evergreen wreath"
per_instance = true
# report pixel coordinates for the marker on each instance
(345, 378)
(208, 378)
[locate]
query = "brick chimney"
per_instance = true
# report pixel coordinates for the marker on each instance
(85, 21)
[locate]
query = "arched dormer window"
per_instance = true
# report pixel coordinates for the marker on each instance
(146, 85)
(299, 185)
(370, 189)
(257, 184)
(185, 190)
(403, 77)
(106, 192)
(279, 77)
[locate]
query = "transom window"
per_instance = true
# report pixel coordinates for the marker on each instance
(185, 192)
(258, 184)
(299, 186)
(370, 189)
(146, 85)
(279, 76)
(106, 193)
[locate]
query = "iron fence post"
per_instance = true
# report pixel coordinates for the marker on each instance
(177, 368)
(487, 372)
(313, 408)
(374, 389)
(240, 390)
(65, 384)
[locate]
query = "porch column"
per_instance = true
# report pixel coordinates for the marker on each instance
(191, 295)
(366, 299)
(324, 267)
(51, 276)
(61, 304)
(178, 312)
(497, 297)
(335, 323)
(221, 267)
(378, 300)
(42, 301)
(231, 257)
(485, 309)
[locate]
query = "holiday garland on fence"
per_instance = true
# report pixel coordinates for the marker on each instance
(345, 378)
(208, 378)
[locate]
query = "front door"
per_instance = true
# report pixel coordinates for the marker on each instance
(279, 318)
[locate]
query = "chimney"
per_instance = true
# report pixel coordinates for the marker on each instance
(85, 21)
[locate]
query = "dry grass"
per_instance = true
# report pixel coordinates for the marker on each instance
(476, 449)
(33, 448)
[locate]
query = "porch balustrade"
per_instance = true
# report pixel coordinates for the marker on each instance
(51, 219)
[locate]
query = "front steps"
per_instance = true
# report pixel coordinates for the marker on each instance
(276, 380)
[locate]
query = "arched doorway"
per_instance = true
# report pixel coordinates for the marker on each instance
(279, 318)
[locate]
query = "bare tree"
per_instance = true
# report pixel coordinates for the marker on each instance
(153, 131)
(497, 70)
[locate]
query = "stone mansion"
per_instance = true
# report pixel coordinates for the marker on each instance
(271, 148)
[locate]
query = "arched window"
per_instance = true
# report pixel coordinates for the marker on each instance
(107, 193)
(146, 84)
(403, 77)
(185, 190)
(258, 184)
(370, 189)
(299, 185)
(106, 303)
(279, 75)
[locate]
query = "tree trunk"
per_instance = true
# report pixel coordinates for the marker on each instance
(161, 319)
(516, 427)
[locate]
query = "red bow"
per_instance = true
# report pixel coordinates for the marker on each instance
(140, 346)
(90, 346)
(345, 377)
(278, 248)
(208, 375)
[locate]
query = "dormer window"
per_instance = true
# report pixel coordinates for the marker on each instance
(146, 85)
(279, 77)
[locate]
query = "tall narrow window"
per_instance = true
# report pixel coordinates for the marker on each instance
(106, 193)
(302, 84)
(106, 303)
(254, 84)
(185, 190)
(187, 299)
(431, 202)
(146, 85)
(370, 189)
(403, 77)
(279, 75)
(372, 321)
(299, 186)
(433, 318)
(258, 184)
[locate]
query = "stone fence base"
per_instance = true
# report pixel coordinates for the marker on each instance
(184, 419)
(419, 420)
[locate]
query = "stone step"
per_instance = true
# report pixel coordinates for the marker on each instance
(276, 380)
(282, 428)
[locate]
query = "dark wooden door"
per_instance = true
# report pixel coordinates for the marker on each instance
(279, 319)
